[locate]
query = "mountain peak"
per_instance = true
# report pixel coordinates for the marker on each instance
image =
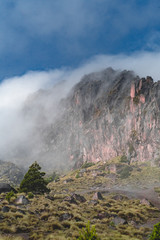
(107, 114)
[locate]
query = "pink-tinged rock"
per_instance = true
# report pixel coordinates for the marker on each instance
(132, 92)
(142, 98)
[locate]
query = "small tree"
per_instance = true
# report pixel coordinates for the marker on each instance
(155, 235)
(88, 233)
(33, 180)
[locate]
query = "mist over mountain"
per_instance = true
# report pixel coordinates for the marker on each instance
(107, 114)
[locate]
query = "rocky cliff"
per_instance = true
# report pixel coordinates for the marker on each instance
(10, 173)
(106, 114)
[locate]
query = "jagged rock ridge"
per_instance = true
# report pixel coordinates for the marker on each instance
(113, 113)
(106, 114)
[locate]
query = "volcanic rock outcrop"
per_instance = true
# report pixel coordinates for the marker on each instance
(107, 114)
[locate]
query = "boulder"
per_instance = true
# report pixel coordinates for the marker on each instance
(70, 199)
(68, 180)
(21, 200)
(132, 223)
(65, 216)
(93, 202)
(1, 217)
(102, 215)
(5, 209)
(79, 198)
(74, 198)
(5, 187)
(97, 196)
(118, 220)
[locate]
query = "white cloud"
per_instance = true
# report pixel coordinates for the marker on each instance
(22, 22)
(14, 91)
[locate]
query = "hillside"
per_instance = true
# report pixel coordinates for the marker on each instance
(120, 206)
(103, 140)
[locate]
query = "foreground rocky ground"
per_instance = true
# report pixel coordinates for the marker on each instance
(122, 201)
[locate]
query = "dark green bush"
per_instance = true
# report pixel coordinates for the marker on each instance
(124, 159)
(125, 171)
(30, 195)
(33, 181)
(155, 235)
(88, 233)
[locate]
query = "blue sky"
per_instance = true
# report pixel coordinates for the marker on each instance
(41, 35)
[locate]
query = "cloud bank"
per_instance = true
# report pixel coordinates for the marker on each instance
(16, 130)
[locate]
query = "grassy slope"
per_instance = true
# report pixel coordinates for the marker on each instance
(41, 218)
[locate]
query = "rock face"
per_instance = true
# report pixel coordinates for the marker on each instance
(112, 114)
(10, 173)
(109, 114)
(106, 114)
(65, 216)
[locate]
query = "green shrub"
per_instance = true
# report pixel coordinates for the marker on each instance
(77, 175)
(9, 195)
(33, 180)
(87, 164)
(125, 171)
(30, 195)
(124, 159)
(88, 233)
(155, 235)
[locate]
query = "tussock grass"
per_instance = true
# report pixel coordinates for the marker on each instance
(40, 219)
